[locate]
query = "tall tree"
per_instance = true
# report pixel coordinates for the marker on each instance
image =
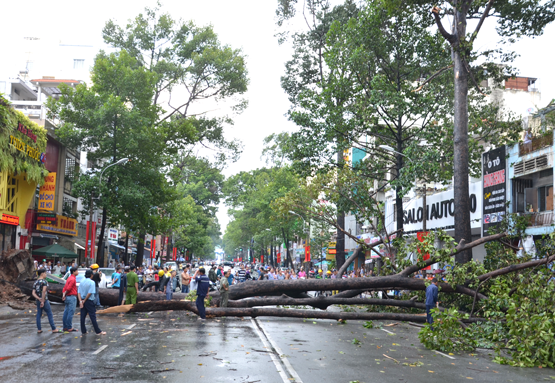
(111, 120)
(514, 19)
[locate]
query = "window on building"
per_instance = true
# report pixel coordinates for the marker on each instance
(78, 63)
(394, 212)
(545, 198)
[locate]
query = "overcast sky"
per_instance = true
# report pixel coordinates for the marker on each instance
(246, 24)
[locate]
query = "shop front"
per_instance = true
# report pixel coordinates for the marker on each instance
(22, 147)
(62, 230)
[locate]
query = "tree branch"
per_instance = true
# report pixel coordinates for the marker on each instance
(433, 76)
(481, 22)
(446, 35)
(510, 269)
(462, 246)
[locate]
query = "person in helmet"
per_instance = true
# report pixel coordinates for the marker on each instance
(96, 278)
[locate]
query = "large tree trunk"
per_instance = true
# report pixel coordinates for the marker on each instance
(278, 287)
(100, 256)
(460, 139)
(140, 249)
(126, 255)
(272, 312)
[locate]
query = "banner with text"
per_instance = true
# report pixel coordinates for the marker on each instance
(494, 188)
(47, 193)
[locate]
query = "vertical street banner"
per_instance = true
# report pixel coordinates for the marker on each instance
(307, 254)
(494, 188)
(87, 240)
(47, 193)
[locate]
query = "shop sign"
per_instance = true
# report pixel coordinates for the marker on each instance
(46, 218)
(113, 235)
(63, 225)
(9, 219)
(20, 145)
(494, 188)
(27, 132)
(47, 193)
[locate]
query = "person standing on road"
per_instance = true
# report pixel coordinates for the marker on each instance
(169, 286)
(123, 286)
(85, 294)
(203, 283)
(224, 290)
(40, 293)
(220, 272)
(185, 280)
(69, 296)
(132, 286)
(212, 274)
(96, 277)
(242, 274)
(432, 293)
(116, 278)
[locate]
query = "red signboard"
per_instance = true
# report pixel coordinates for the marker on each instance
(10, 219)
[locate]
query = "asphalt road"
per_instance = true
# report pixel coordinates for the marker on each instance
(177, 347)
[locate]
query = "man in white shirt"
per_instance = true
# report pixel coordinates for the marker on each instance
(149, 274)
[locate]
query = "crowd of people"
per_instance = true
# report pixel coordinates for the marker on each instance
(129, 280)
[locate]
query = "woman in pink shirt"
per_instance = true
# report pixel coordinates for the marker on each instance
(302, 274)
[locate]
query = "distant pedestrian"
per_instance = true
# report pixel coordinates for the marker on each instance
(132, 286)
(212, 274)
(432, 293)
(242, 274)
(40, 293)
(185, 280)
(203, 283)
(69, 296)
(224, 290)
(96, 277)
(123, 286)
(116, 278)
(86, 298)
(169, 286)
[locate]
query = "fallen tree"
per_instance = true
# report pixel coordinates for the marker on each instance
(265, 312)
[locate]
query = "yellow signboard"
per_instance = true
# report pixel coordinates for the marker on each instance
(62, 225)
(47, 193)
(332, 245)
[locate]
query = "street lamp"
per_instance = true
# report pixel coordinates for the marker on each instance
(424, 210)
(120, 162)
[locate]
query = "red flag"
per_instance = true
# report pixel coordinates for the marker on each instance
(93, 239)
(278, 256)
(87, 240)
(261, 259)
(174, 254)
(153, 249)
(307, 254)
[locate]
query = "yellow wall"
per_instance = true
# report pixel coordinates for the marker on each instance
(21, 200)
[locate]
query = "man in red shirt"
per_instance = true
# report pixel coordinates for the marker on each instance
(69, 295)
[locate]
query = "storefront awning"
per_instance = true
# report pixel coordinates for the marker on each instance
(116, 245)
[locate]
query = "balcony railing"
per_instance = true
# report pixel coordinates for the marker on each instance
(542, 218)
(538, 142)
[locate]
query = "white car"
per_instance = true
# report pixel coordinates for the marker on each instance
(105, 282)
(171, 265)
